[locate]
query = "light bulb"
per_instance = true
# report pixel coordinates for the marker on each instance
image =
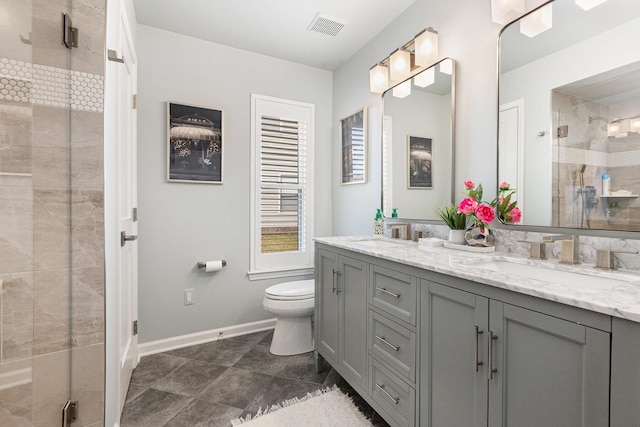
(379, 78)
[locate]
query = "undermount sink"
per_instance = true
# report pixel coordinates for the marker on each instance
(376, 243)
(584, 277)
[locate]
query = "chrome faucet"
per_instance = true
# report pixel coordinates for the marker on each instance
(570, 247)
(395, 229)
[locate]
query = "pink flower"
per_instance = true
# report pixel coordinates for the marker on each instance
(468, 205)
(515, 215)
(468, 184)
(505, 185)
(501, 199)
(485, 213)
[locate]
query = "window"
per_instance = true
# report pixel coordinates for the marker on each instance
(282, 187)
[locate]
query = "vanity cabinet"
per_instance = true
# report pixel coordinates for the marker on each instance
(486, 362)
(341, 314)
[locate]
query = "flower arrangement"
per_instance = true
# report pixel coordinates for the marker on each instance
(473, 211)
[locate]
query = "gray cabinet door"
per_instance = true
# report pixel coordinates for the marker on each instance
(550, 372)
(453, 380)
(327, 306)
(352, 289)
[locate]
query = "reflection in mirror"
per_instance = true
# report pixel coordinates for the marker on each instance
(569, 98)
(417, 143)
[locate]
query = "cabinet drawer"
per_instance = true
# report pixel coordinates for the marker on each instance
(395, 396)
(395, 293)
(393, 344)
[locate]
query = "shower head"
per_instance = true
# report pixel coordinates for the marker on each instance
(602, 119)
(582, 168)
(581, 173)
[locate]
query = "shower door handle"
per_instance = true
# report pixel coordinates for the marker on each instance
(124, 238)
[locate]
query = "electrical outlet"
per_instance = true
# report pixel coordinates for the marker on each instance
(188, 296)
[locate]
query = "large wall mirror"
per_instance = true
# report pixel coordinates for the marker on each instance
(417, 143)
(569, 114)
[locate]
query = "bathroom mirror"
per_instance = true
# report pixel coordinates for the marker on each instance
(569, 114)
(417, 143)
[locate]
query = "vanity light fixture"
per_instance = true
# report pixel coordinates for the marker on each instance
(400, 65)
(446, 67)
(618, 128)
(589, 4)
(402, 90)
(410, 59)
(425, 78)
(379, 78)
(537, 21)
(505, 11)
(634, 125)
(426, 47)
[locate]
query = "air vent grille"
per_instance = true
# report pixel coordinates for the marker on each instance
(327, 25)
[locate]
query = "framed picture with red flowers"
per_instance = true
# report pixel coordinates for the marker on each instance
(194, 142)
(419, 161)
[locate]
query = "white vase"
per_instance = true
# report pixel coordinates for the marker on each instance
(457, 237)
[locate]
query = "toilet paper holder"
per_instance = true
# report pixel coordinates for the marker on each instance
(202, 264)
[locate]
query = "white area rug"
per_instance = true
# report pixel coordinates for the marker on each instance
(324, 408)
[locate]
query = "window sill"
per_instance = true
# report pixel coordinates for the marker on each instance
(281, 273)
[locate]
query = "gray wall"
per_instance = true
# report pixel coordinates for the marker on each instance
(181, 223)
(466, 35)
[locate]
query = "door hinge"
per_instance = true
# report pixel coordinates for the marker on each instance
(135, 102)
(69, 412)
(135, 327)
(69, 32)
(563, 131)
(134, 214)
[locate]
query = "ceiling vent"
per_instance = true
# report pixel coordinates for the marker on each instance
(327, 25)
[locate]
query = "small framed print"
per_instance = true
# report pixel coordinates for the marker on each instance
(419, 161)
(354, 147)
(194, 144)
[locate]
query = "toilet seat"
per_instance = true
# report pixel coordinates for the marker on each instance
(288, 291)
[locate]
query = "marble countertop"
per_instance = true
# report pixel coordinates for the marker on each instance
(615, 293)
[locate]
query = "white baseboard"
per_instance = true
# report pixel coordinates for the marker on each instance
(173, 343)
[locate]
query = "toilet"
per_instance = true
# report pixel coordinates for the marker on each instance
(292, 303)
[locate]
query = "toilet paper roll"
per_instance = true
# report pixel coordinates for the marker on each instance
(213, 266)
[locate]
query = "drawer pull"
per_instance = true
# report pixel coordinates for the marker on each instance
(396, 348)
(492, 370)
(476, 363)
(395, 399)
(388, 292)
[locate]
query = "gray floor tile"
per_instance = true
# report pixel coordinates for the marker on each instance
(267, 339)
(200, 414)
(298, 367)
(134, 391)
(236, 387)
(152, 408)
(278, 390)
(191, 378)
(154, 367)
(224, 352)
(334, 378)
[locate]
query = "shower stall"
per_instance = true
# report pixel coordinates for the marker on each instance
(52, 329)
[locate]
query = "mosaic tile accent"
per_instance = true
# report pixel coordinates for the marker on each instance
(624, 158)
(50, 86)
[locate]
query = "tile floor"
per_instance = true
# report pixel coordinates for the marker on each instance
(212, 383)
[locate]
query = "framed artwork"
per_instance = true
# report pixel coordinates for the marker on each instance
(419, 161)
(354, 147)
(194, 144)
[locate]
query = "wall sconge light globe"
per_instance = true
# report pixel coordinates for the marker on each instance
(425, 78)
(379, 78)
(402, 90)
(446, 67)
(618, 128)
(426, 47)
(505, 11)
(634, 125)
(400, 65)
(589, 4)
(537, 22)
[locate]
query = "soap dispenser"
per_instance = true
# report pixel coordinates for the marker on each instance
(378, 223)
(394, 212)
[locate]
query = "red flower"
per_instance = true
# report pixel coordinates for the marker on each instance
(468, 205)
(515, 215)
(485, 213)
(468, 184)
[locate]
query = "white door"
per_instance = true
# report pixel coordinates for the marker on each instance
(121, 202)
(511, 148)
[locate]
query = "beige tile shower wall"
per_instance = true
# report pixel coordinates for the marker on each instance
(51, 211)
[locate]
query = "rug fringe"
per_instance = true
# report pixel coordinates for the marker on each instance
(290, 402)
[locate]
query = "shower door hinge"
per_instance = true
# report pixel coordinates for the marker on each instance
(134, 214)
(563, 131)
(69, 412)
(135, 327)
(69, 32)
(135, 102)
